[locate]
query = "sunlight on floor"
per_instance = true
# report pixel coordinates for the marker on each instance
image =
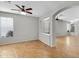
(68, 41)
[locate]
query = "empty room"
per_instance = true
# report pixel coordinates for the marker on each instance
(39, 29)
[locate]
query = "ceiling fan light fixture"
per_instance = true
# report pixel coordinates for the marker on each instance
(23, 13)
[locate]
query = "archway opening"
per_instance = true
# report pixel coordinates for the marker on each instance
(67, 26)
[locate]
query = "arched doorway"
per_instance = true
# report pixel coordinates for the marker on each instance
(70, 23)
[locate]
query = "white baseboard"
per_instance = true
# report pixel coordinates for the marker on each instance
(12, 40)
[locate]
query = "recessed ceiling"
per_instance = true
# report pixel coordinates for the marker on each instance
(40, 8)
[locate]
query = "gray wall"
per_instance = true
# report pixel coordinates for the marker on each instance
(43, 36)
(48, 39)
(76, 24)
(25, 28)
(60, 28)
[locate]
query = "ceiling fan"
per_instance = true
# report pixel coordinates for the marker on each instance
(22, 9)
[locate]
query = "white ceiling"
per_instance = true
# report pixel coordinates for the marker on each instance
(40, 8)
(70, 15)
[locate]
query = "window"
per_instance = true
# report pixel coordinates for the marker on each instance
(70, 27)
(6, 26)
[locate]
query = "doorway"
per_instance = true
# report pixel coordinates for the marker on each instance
(67, 27)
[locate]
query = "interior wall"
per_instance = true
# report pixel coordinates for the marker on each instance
(60, 28)
(48, 39)
(44, 37)
(76, 24)
(25, 28)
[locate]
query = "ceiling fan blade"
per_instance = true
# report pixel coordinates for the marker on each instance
(15, 9)
(29, 12)
(29, 9)
(18, 6)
